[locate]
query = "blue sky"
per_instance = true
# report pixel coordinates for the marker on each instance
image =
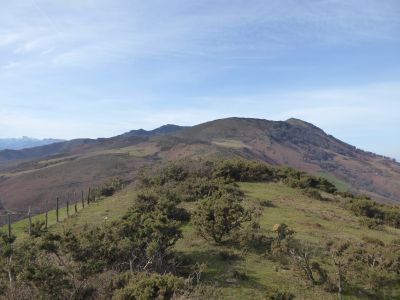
(93, 68)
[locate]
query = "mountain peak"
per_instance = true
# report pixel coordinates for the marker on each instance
(299, 122)
(165, 129)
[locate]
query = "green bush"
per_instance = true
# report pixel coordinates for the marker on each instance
(378, 213)
(216, 217)
(279, 295)
(143, 286)
(243, 170)
(366, 208)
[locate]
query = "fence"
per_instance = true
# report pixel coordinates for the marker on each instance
(12, 219)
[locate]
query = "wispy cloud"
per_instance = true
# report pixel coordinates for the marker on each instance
(75, 33)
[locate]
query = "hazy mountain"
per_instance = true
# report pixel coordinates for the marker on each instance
(38, 174)
(25, 142)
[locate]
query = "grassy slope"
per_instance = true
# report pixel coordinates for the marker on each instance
(313, 220)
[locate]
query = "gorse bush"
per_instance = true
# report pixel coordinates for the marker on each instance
(144, 286)
(279, 295)
(378, 214)
(243, 170)
(107, 189)
(218, 216)
(201, 177)
(61, 266)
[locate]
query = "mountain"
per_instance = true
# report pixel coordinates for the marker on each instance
(166, 129)
(25, 142)
(80, 146)
(304, 146)
(32, 176)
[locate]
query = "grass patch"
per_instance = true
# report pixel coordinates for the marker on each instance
(228, 143)
(340, 184)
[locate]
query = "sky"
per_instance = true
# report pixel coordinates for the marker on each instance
(97, 68)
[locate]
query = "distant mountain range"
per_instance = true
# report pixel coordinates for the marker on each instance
(32, 176)
(25, 142)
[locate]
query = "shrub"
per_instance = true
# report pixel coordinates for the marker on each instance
(143, 286)
(251, 237)
(313, 193)
(150, 230)
(279, 295)
(239, 275)
(373, 241)
(216, 217)
(302, 254)
(371, 223)
(366, 208)
(392, 217)
(199, 188)
(267, 203)
(227, 255)
(379, 213)
(38, 228)
(282, 231)
(243, 170)
(180, 214)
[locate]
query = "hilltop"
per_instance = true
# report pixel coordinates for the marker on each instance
(32, 176)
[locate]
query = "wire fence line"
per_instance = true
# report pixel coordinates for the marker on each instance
(64, 208)
(68, 205)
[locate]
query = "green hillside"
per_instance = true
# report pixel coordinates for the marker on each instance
(232, 270)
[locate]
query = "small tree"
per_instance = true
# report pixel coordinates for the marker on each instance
(282, 232)
(302, 255)
(340, 261)
(216, 217)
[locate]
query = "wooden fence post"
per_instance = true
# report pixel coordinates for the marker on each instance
(88, 197)
(9, 225)
(57, 216)
(76, 203)
(83, 200)
(30, 221)
(46, 221)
